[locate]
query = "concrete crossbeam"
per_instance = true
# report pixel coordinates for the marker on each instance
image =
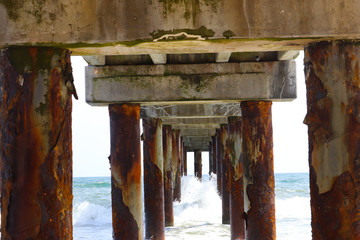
(191, 110)
(141, 27)
(194, 132)
(194, 121)
(192, 146)
(181, 83)
(193, 139)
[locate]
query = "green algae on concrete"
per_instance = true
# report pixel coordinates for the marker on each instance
(201, 31)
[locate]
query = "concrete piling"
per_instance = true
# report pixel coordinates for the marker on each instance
(225, 168)
(259, 185)
(168, 176)
(176, 165)
(333, 97)
(153, 179)
(237, 221)
(36, 85)
(198, 164)
(125, 162)
(213, 145)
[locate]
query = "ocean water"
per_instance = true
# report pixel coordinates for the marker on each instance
(198, 215)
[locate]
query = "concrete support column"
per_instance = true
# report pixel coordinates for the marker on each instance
(237, 221)
(35, 143)
(218, 162)
(198, 164)
(213, 145)
(168, 176)
(176, 165)
(181, 156)
(333, 103)
(225, 169)
(153, 179)
(125, 162)
(257, 155)
(185, 160)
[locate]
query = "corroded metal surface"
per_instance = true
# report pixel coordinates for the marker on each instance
(211, 167)
(257, 155)
(35, 143)
(218, 161)
(181, 156)
(333, 96)
(176, 163)
(168, 176)
(198, 164)
(213, 145)
(153, 179)
(225, 169)
(237, 221)
(125, 162)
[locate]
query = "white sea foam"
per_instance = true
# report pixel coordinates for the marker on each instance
(88, 214)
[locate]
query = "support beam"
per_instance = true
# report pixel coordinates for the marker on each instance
(176, 165)
(191, 83)
(222, 57)
(158, 58)
(98, 60)
(194, 132)
(195, 121)
(332, 82)
(192, 146)
(181, 156)
(198, 165)
(259, 185)
(205, 139)
(168, 176)
(211, 167)
(237, 220)
(191, 110)
(35, 143)
(153, 179)
(225, 168)
(125, 162)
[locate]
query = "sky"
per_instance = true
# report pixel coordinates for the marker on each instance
(91, 132)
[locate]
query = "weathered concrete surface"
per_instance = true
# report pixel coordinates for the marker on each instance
(168, 176)
(175, 122)
(259, 183)
(125, 162)
(192, 146)
(237, 220)
(197, 139)
(153, 179)
(181, 83)
(333, 90)
(102, 27)
(198, 165)
(191, 110)
(176, 165)
(225, 170)
(35, 143)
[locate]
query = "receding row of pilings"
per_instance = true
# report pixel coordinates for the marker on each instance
(36, 153)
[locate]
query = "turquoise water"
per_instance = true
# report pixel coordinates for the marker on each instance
(198, 216)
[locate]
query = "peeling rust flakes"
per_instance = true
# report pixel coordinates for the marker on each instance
(225, 168)
(337, 70)
(36, 178)
(168, 176)
(257, 155)
(176, 165)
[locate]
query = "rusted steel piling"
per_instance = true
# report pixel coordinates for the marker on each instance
(153, 179)
(35, 143)
(332, 71)
(218, 162)
(176, 163)
(181, 157)
(168, 176)
(125, 162)
(213, 145)
(225, 169)
(198, 164)
(185, 159)
(237, 221)
(211, 168)
(257, 155)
